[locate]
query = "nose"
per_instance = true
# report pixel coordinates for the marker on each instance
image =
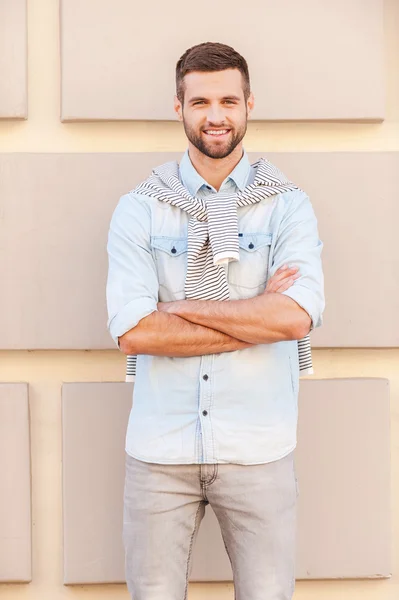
(215, 114)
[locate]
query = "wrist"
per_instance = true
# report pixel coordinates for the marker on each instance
(179, 308)
(174, 308)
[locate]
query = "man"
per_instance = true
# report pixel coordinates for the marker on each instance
(214, 275)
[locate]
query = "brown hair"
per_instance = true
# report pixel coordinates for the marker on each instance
(210, 56)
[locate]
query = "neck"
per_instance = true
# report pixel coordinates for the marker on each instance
(214, 170)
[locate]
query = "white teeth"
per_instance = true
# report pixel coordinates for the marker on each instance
(213, 132)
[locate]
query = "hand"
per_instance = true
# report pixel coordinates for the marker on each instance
(282, 280)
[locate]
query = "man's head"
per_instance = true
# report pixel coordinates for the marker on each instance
(213, 97)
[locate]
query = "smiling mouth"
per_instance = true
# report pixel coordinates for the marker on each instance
(217, 133)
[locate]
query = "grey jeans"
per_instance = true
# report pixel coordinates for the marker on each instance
(256, 509)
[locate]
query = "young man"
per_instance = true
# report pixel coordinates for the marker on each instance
(214, 275)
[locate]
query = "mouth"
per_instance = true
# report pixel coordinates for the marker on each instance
(217, 133)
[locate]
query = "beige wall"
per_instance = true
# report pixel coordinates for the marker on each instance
(342, 81)
(45, 370)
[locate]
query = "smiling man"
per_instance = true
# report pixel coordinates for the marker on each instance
(214, 277)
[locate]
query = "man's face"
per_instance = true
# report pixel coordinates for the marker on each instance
(214, 112)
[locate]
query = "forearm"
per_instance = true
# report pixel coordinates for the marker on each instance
(265, 319)
(163, 334)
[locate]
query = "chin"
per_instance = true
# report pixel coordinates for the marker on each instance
(220, 152)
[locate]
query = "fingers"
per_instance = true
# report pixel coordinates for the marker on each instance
(286, 284)
(283, 278)
(284, 272)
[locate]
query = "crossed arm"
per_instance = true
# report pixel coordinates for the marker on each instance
(264, 319)
(196, 327)
(165, 334)
(140, 325)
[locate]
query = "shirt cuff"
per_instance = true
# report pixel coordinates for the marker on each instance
(129, 316)
(305, 300)
(222, 258)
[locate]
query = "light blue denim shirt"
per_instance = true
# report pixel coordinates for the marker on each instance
(232, 407)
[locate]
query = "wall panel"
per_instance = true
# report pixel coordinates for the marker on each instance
(324, 62)
(13, 60)
(15, 486)
(344, 518)
(56, 218)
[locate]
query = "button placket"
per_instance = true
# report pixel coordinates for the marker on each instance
(205, 377)
(204, 407)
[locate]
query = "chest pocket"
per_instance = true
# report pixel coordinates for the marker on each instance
(253, 268)
(170, 255)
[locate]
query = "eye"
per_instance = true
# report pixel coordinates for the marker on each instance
(198, 102)
(230, 101)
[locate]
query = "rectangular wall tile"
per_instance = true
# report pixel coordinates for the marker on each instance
(59, 214)
(354, 198)
(324, 62)
(344, 474)
(13, 60)
(94, 421)
(15, 484)
(343, 468)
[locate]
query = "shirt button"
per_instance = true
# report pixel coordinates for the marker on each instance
(204, 412)
(251, 245)
(173, 250)
(205, 377)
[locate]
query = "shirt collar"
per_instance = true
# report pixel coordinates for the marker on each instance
(193, 181)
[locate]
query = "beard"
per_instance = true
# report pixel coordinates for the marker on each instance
(209, 148)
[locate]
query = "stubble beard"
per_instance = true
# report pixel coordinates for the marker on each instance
(213, 150)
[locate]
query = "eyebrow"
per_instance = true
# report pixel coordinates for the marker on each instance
(197, 98)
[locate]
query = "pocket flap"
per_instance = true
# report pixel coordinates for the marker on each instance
(254, 241)
(170, 245)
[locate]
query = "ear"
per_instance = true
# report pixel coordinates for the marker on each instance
(178, 108)
(250, 104)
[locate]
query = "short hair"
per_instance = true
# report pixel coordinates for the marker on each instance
(208, 57)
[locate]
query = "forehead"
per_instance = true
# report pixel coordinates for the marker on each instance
(213, 84)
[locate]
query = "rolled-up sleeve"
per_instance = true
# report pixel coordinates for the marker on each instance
(132, 283)
(298, 244)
